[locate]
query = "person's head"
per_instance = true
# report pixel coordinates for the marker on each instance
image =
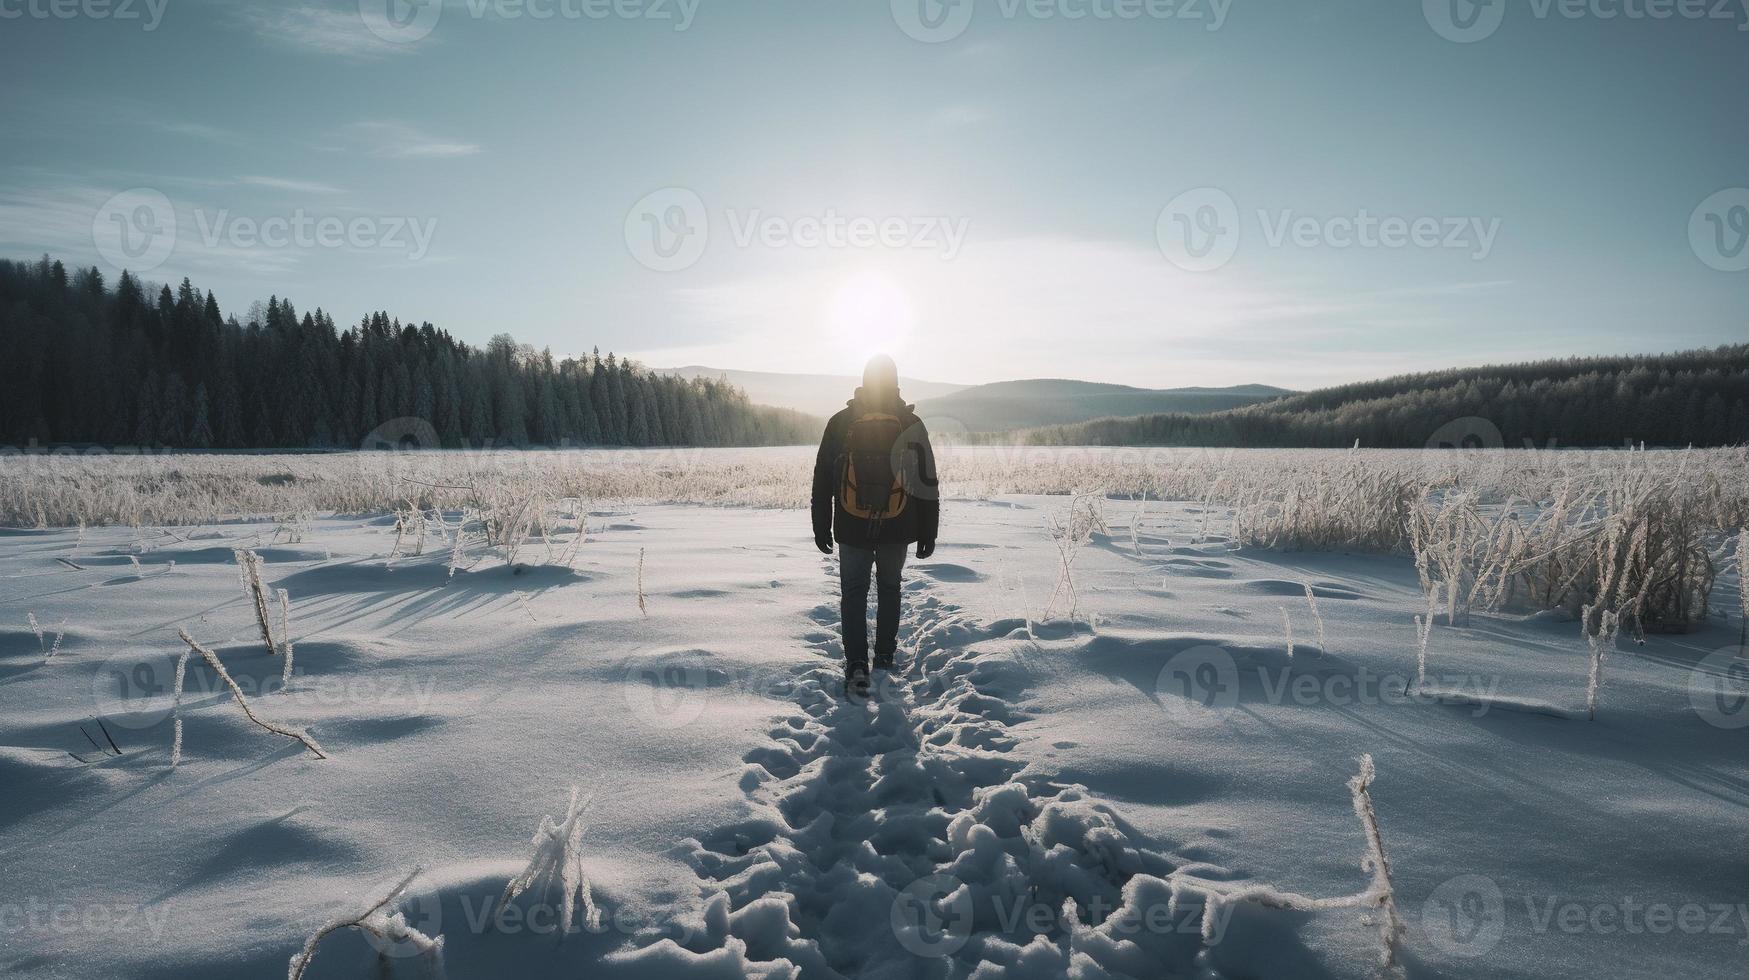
(880, 374)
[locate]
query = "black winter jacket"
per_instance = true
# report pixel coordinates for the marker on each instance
(920, 519)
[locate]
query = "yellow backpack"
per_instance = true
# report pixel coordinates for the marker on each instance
(871, 483)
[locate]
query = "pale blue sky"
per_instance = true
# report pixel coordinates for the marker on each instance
(1571, 153)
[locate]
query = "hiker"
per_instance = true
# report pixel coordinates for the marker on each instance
(875, 494)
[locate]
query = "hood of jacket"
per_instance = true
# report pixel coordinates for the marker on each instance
(879, 401)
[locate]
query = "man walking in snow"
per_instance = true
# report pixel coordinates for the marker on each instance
(875, 494)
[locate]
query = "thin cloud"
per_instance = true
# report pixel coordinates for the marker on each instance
(60, 222)
(338, 32)
(399, 140)
(959, 116)
(286, 184)
(201, 131)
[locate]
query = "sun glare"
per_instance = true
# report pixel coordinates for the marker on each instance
(870, 314)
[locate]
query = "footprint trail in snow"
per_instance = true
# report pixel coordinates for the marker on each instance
(898, 837)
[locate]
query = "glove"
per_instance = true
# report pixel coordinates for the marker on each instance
(824, 543)
(925, 549)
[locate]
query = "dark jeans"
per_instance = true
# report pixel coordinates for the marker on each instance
(854, 565)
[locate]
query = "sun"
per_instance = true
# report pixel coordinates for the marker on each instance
(869, 314)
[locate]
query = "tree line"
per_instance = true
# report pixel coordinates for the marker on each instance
(1698, 398)
(88, 363)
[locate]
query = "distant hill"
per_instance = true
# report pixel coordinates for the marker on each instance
(815, 394)
(1696, 397)
(1008, 405)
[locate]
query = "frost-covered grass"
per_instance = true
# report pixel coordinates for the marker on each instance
(1642, 533)
(1305, 498)
(680, 664)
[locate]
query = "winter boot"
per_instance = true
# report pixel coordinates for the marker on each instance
(856, 681)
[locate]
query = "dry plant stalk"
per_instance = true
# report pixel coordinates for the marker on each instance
(1423, 633)
(1287, 628)
(642, 606)
(285, 636)
(558, 859)
(47, 649)
(1380, 893)
(1601, 639)
(390, 928)
(212, 660)
(1317, 617)
(1070, 531)
(1743, 582)
(409, 524)
(249, 571)
(457, 548)
(1423, 629)
(568, 554)
(176, 710)
(1136, 524)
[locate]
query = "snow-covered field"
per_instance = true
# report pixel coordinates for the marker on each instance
(1026, 796)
